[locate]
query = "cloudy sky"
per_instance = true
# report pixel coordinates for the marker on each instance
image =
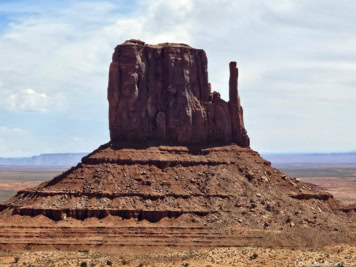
(297, 64)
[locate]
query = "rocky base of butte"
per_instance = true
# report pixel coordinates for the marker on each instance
(178, 171)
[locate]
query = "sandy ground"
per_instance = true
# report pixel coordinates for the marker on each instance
(342, 188)
(9, 188)
(17, 185)
(231, 256)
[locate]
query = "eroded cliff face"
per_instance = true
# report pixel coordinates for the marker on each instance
(161, 93)
(199, 195)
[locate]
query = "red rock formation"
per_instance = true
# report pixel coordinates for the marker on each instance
(161, 93)
(195, 195)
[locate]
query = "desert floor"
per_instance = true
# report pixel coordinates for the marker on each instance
(343, 188)
(237, 256)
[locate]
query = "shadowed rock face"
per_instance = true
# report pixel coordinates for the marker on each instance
(161, 93)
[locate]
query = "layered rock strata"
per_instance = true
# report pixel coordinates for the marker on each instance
(177, 152)
(161, 93)
(159, 182)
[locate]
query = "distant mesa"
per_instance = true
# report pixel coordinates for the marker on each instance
(55, 159)
(161, 93)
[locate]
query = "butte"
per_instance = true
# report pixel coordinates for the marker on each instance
(178, 170)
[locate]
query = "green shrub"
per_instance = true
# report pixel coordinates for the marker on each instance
(253, 256)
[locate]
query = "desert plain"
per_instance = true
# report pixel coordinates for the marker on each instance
(338, 180)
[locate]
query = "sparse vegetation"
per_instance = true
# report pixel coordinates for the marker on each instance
(228, 256)
(253, 256)
(17, 258)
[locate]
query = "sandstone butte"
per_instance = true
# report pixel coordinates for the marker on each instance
(177, 172)
(161, 93)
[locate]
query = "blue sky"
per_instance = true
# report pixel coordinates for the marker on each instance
(297, 64)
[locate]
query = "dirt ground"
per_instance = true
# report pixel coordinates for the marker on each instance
(17, 185)
(343, 255)
(274, 220)
(15, 178)
(342, 188)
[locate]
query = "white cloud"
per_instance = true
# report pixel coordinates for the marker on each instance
(27, 100)
(296, 60)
